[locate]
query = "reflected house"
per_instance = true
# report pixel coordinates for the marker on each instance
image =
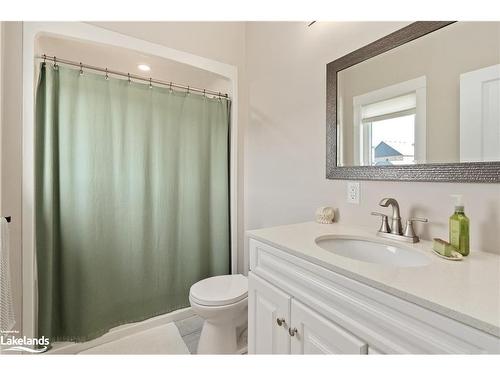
(385, 154)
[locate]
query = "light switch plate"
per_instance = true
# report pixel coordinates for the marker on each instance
(353, 191)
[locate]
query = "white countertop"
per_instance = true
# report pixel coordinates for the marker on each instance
(467, 290)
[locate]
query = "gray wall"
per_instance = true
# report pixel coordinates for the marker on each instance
(285, 140)
(281, 70)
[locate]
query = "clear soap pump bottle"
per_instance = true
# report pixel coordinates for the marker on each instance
(459, 227)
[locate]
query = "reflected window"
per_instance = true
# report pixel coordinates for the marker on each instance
(388, 131)
(392, 140)
(390, 125)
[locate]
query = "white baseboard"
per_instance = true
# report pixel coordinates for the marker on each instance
(120, 332)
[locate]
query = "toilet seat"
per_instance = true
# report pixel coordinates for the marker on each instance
(219, 290)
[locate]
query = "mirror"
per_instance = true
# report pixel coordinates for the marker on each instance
(428, 94)
(435, 99)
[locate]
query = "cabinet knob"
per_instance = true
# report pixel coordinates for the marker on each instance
(280, 321)
(292, 332)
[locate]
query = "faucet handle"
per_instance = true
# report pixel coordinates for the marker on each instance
(409, 232)
(384, 225)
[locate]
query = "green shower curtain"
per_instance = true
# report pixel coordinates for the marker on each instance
(131, 200)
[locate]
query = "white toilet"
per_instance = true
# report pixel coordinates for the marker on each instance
(223, 302)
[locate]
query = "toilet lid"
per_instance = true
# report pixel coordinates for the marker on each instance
(220, 290)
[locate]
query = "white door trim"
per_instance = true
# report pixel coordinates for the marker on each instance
(87, 32)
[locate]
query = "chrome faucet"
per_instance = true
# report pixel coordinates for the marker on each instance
(395, 230)
(396, 227)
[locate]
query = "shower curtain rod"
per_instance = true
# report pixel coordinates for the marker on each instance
(57, 60)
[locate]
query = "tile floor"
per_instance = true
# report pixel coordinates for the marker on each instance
(164, 339)
(190, 330)
(178, 337)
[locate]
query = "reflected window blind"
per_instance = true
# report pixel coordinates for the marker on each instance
(389, 108)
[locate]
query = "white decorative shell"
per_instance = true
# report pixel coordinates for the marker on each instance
(325, 215)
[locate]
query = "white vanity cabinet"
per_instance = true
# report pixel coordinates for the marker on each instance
(269, 312)
(298, 307)
(283, 325)
(314, 334)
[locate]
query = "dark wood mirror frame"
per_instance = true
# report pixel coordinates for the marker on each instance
(486, 172)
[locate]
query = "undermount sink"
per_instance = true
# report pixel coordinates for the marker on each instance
(372, 251)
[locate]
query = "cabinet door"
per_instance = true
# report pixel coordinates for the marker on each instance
(317, 335)
(268, 307)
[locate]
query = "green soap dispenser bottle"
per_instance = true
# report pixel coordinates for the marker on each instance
(459, 227)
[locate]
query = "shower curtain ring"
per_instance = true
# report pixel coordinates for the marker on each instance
(204, 93)
(81, 69)
(128, 75)
(188, 91)
(150, 84)
(55, 66)
(106, 77)
(219, 96)
(170, 87)
(44, 58)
